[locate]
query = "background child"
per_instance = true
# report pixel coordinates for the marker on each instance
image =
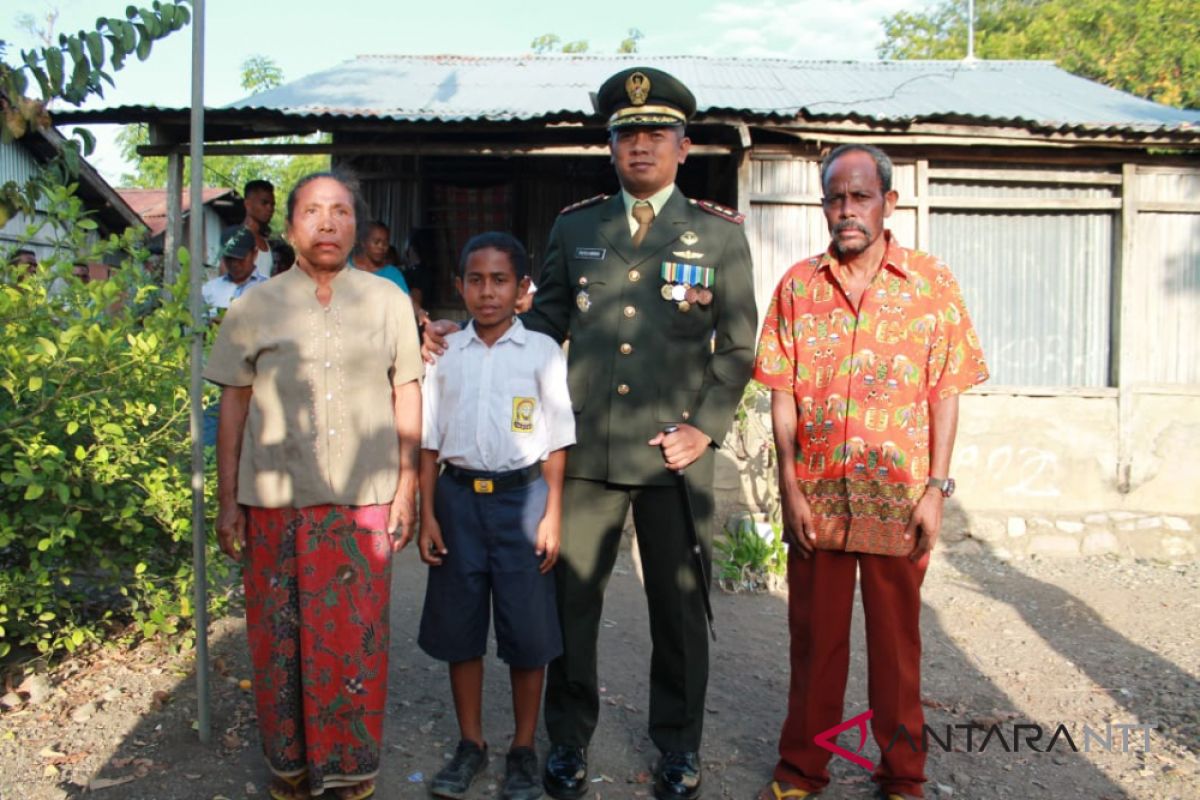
(497, 417)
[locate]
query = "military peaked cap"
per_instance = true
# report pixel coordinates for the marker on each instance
(646, 97)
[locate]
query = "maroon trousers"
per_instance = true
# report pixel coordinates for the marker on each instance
(820, 600)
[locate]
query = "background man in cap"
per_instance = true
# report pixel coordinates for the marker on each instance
(654, 291)
(238, 256)
(237, 260)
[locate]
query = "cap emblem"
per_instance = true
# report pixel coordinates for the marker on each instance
(637, 86)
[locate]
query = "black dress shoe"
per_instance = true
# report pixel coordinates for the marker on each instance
(677, 776)
(565, 776)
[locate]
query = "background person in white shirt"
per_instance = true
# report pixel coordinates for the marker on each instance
(237, 260)
(497, 417)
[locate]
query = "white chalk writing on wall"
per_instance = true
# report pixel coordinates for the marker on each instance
(1026, 471)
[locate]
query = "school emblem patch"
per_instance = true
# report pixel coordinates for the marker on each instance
(522, 414)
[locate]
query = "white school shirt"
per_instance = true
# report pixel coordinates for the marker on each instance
(497, 408)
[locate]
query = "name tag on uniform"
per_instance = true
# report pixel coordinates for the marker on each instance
(590, 253)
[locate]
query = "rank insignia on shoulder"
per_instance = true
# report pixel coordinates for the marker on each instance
(591, 201)
(721, 211)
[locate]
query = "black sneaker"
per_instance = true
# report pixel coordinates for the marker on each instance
(454, 779)
(521, 779)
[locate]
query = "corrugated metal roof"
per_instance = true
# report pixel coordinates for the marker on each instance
(151, 204)
(451, 88)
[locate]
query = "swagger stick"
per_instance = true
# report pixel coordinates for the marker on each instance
(697, 553)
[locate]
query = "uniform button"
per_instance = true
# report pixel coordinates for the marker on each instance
(626, 348)
(634, 275)
(686, 415)
(630, 311)
(623, 388)
(583, 280)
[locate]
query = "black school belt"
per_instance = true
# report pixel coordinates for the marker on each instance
(492, 482)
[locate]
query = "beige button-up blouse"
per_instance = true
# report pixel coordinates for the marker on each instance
(321, 427)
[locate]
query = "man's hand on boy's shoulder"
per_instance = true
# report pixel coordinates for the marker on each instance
(429, 542)
(433, 338)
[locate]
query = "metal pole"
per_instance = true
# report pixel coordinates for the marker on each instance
(970, 30)
(196, 275)
(174, 231)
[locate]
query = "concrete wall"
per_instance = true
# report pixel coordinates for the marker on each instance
(1059, 454)
(1051, 461)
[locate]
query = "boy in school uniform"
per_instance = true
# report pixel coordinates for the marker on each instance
(497, 417)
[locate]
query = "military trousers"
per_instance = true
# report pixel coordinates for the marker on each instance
(594, 514)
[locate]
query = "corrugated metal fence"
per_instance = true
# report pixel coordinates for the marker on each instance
(1037, 253)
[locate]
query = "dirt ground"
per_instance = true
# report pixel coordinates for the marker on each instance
(1079, 643)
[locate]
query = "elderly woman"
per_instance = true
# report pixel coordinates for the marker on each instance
(317, 451)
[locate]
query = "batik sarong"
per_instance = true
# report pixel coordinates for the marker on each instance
(317, 582)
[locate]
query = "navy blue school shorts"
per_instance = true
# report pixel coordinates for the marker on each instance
(490, 561)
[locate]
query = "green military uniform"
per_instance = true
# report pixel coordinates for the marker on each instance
(639, 359)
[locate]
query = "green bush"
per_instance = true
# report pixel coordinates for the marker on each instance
(747, 560)
(95, 498)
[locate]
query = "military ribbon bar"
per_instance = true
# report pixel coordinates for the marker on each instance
(690, 274)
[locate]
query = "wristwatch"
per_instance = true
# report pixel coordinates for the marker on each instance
(943, 485)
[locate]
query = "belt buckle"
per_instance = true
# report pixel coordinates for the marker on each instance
(482, 486)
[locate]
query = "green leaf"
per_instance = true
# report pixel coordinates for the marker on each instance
(54, 67)
(35, 383)
(80, 453)
(46, 616)
(74, 46)
(95, 45)
(144, 42)
(140, 568)
(43, 545)
(72, 426)
(150, 20)
(129, 36)
(43, 83)
(34, 490)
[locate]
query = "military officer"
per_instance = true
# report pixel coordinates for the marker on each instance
(654, 292)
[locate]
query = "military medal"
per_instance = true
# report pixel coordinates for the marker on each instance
(583, 301)
(689, 238)
(687, 285)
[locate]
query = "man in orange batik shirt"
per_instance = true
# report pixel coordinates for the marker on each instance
(866, 349)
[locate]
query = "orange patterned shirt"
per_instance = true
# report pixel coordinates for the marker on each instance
(862, 382)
